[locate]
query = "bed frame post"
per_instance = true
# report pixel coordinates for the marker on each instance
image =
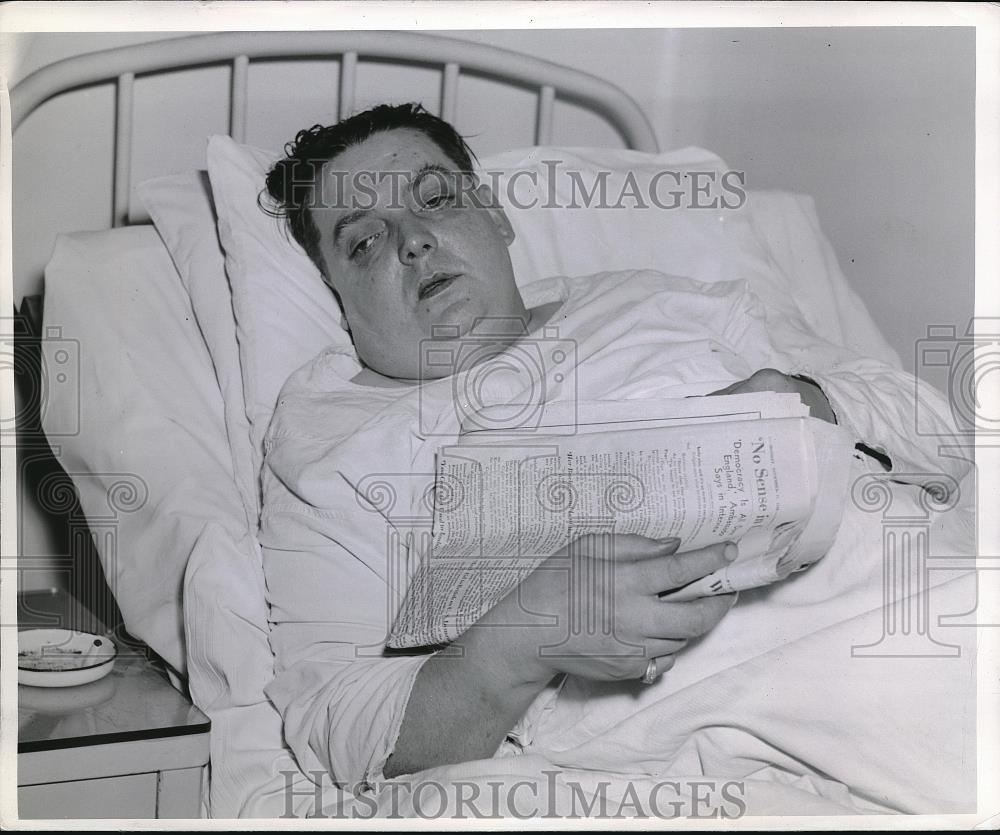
(449, 91)
(238, 98)
(348, 72)
(123, 149)
(543, 129)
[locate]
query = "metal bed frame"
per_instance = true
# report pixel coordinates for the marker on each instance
(122, 64)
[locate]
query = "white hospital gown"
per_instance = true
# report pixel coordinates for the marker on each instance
(346, 465)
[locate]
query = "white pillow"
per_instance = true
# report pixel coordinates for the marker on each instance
(560, 231)
(181, 207)
(149, 451)
(285, 314)
(788, 223)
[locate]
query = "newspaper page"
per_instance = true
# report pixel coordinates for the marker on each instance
(743, 468)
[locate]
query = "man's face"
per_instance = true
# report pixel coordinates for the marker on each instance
(406, 251)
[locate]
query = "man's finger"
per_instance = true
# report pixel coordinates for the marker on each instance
(673, 571)
(660, 647)
(764, 379)
(625, 547)
(694, 618)
(735, 388)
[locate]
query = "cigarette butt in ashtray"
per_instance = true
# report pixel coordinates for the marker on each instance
(92, 652)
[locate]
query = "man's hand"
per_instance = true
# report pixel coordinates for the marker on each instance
(768, 379)
(597, 612)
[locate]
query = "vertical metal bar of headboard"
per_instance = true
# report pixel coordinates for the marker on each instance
(238, 98)
(543, 127)
(348, 68)
(449, 91)
(123, 149)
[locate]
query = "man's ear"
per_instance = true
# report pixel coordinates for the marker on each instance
(343, 316)
(485, 199)
(340, 305)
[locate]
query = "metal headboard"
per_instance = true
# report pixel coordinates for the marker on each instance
(122, 64)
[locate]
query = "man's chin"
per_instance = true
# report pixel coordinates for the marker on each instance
(455, 320)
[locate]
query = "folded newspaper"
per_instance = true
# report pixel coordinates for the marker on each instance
(749, 468)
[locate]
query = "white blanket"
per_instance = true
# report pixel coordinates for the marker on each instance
(773, 696)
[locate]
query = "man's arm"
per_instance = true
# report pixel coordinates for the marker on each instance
(770, 379)
(878, 404)
(461, 708)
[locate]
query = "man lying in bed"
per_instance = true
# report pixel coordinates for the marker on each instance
(385, 205)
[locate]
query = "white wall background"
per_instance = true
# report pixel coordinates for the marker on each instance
(875, 123)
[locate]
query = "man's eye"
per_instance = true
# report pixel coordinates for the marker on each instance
(364, 246)
(438, 201)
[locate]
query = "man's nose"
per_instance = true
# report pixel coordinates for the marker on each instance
(417, 242)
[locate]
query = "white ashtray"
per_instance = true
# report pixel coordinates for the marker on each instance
(62, 658)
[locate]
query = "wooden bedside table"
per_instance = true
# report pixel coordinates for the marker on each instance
(127, 746)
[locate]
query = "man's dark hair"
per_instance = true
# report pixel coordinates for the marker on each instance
(290, 182)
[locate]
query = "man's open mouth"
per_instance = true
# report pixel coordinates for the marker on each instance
(435, 284)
